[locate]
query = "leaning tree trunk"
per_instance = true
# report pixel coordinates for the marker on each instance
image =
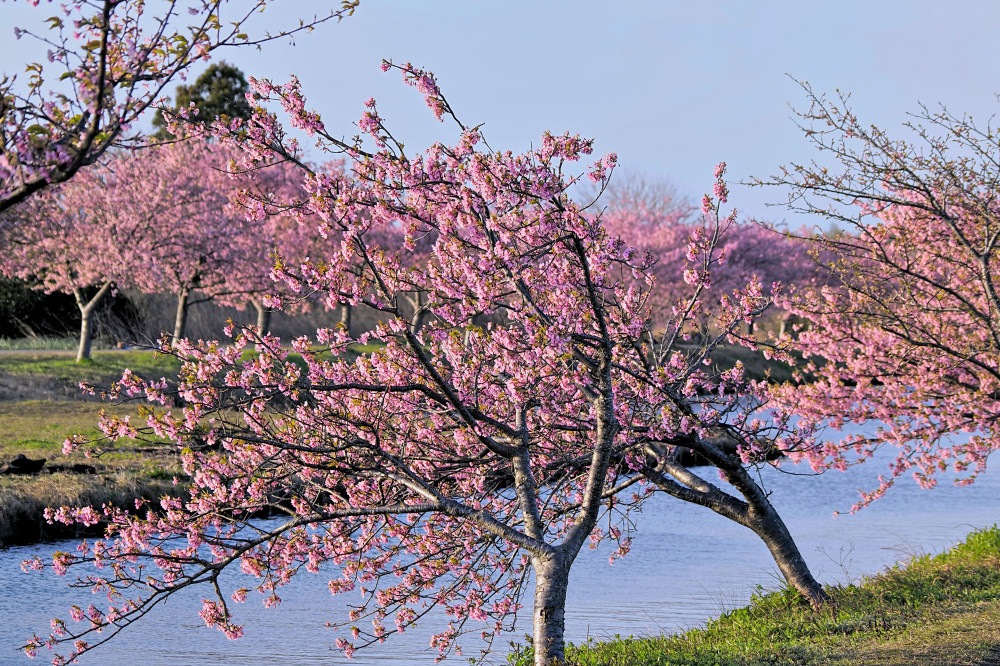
(86, 318)
(551, 582)
(765, 522)
(180, 318)
(754, 512)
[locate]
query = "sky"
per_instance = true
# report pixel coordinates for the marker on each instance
(671, 87)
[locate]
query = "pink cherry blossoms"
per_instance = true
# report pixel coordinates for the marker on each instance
(520, 394)
(116, 59)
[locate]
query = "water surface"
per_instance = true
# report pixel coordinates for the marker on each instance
(687, 565)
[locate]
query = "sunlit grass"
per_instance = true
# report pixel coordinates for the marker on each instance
(103, 367)
(39, 343)
(129, 471)
(942, 609)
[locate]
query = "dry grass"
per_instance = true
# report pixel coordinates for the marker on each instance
(37, 429)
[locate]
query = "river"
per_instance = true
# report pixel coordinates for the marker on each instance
(686, 565)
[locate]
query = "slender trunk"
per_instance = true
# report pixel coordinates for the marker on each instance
(755, 513)
(344, 311)
(762, 518)
(263, 317)
(86, 312)
(419, 301)
(476, 322)
(551, 582)
(180, 319)
(785, 327)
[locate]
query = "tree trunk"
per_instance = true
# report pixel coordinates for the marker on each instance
(263, 317)
(180, 319)
(755, 513)
(768, 525)
(418, 300)
(761, 517)
(785, 327)
(551, 582)
(344, 311)
(86, 312)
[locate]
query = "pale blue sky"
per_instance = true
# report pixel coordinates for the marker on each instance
(672, 87)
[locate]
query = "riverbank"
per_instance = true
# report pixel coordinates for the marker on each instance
(36, 430)
(940, 610)
(41, 404)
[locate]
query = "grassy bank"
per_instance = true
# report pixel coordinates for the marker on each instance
(942, 609)
(37, 429)
(103, 367)
(41, 405)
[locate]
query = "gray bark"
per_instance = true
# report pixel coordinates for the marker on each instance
(344, 311)
(180, 319)
(755, 512)
(551, 582)
(86, 313)
(263, 317)
(768, 525)
(419, 302)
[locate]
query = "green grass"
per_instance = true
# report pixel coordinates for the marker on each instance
(40, 343)
(110, 364)
(103, 366)
(41, 426)
(942, 609)
(37, 429)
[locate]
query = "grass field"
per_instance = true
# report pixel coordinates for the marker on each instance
(103, 366)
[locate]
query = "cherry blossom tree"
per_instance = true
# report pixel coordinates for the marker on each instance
(280, 231)
(109, 62)
(194, 249)
(443, 468)
(94, 233)
(910, 336)
(747, 249)
(202, 247)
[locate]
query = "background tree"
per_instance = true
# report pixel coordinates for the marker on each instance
(278, 232)
(195, 242)
(89, 236)
(392, 466)
(747, 250)
(113, 60)
(911, 336)
(219, 91)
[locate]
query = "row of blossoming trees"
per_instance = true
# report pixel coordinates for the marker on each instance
(542, 365)
(156, 220)
(162, 219)
(541, 393)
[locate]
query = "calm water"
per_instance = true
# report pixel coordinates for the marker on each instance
(687, 565)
